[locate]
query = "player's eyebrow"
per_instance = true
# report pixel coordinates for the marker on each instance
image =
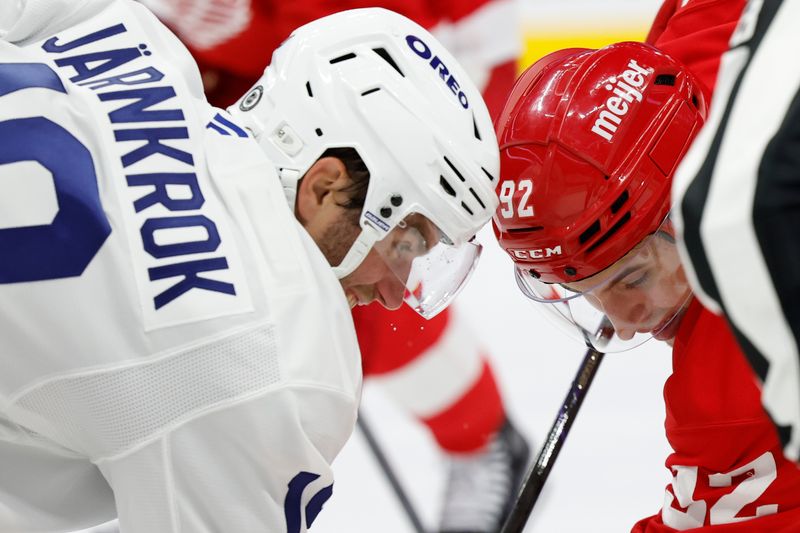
(616, 279)
(622, 275)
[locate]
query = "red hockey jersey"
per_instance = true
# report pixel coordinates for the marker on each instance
(727, 465)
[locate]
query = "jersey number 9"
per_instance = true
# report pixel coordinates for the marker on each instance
(64, 247)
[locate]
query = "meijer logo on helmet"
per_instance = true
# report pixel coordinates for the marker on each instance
(424, 51)
(617, 106)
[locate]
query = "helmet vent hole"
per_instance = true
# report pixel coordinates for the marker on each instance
(619, 202)
(665, 79)
(318, 132)
(370, 91)
(694, 101)
(589, 232)
(466, 208)
(477, 198)
(344, 57)
(447, 187)
(454, 169)
(388, 58)
(308, 89)
(475, 128)
(626, 217)
(525, 230)
(491, 178)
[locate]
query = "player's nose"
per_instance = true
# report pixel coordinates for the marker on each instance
(391, 291)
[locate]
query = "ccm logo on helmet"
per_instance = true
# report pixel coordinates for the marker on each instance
(617, 106)
(424, 51)
(539, 253)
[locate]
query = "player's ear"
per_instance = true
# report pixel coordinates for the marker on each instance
(320, 188)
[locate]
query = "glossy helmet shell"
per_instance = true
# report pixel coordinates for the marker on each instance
(589, 141)
(375, 81)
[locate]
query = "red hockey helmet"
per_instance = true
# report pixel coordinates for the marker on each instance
(589, 140)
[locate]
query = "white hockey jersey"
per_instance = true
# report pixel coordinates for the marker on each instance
(174, 347)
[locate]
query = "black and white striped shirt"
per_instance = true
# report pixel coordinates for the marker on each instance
(737, 197)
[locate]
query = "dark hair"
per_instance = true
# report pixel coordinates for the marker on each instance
(358, 172)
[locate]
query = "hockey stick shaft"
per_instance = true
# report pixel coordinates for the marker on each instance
(537, 475)
(388, 471)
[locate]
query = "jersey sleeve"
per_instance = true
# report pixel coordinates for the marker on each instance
(681, 25)
(728, 472)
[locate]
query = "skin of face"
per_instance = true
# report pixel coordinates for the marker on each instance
(644, 292)
(334, 229)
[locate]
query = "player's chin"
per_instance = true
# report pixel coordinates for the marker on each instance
(665, 334)
(668, 331)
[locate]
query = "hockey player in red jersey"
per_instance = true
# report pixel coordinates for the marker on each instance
(434, 369)
(589, 143)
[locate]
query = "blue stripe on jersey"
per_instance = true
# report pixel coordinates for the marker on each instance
(225, 122)
(217, 129)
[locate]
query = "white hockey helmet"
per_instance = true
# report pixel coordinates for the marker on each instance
(373, 80)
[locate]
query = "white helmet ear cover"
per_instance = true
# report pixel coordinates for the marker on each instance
(375, 81)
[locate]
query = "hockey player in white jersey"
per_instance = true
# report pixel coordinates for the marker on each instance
(176, 349)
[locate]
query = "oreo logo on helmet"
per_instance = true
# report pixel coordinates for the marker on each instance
(424, 51)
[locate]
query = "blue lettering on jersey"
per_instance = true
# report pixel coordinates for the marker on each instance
(66, 246)
(148, 74)
(293, 502)
(134, 100)
(153, 144)
(51, 46)
(159, 251)
(188, 271)
(159, 195)
(143, 98)
(90, 65)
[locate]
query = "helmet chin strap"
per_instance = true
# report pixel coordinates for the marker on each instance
(361, 246)
(289, 178)
(357, 252)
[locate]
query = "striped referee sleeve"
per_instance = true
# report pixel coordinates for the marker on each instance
(737, 204)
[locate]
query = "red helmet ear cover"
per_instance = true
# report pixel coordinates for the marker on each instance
(597, 134)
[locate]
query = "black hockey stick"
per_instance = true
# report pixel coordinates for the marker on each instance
(389, 473)
(537, 475)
